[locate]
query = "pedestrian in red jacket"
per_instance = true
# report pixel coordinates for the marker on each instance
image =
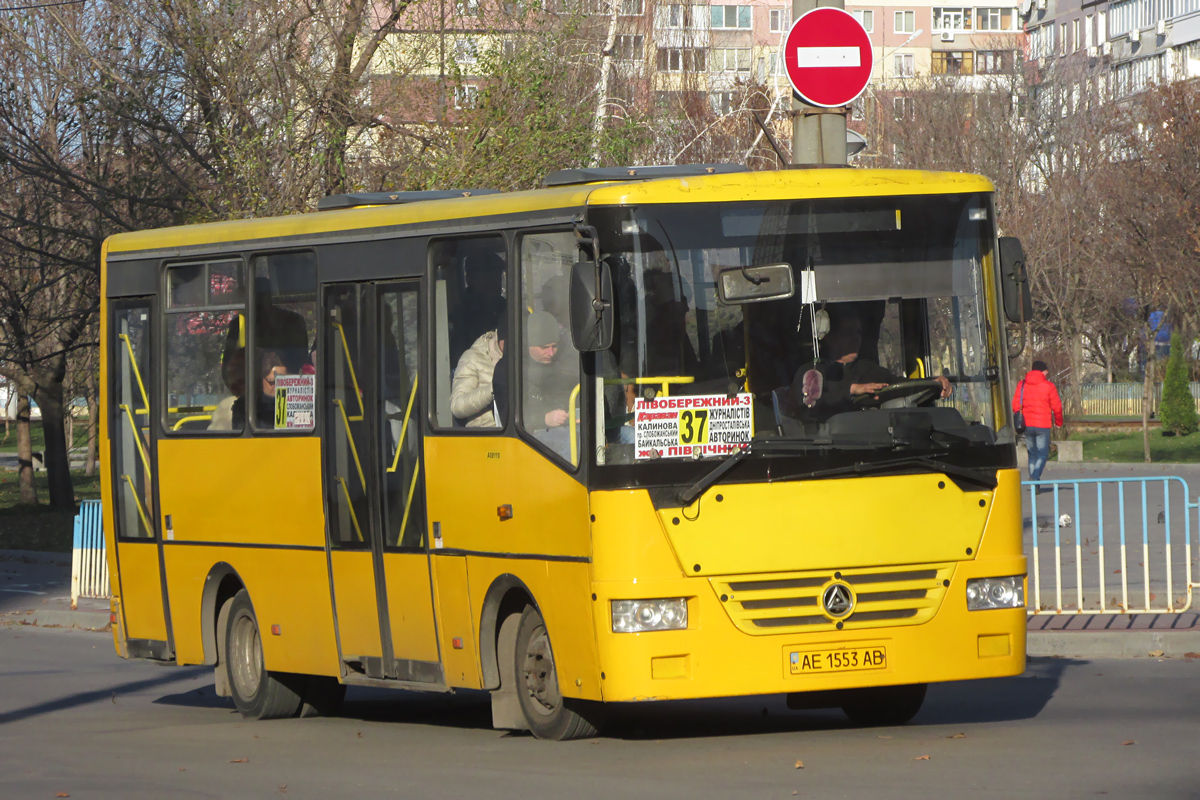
(1038, 400)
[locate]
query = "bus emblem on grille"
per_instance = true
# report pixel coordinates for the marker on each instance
(838, 599)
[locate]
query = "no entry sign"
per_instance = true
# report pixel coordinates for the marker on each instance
(828, 57)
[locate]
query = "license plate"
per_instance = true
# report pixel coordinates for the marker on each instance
(837, 659)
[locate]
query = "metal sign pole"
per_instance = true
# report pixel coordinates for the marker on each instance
(818, 134)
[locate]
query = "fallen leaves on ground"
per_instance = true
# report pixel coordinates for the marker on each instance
(1128, 742)
(238, 760)
(957, 736)
(921, 758)
(62, 794)
(1155, 653)
(1191, 655)
(799, 764)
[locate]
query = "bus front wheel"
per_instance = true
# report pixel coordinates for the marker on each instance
(549, 714)
(884, 705)
(257, 693)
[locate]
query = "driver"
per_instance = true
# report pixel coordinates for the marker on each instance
(841, 375)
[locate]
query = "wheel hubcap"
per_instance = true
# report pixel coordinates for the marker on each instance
(541, 682)
(245, 658)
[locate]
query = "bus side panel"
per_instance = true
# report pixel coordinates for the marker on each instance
(263, 495)
(562, 591)
(140, 578)
(275, 580)
(456, 622)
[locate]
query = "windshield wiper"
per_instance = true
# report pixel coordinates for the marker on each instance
(980, 477)
(757, 447)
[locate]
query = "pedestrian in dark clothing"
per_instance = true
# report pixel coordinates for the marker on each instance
(1038, 400)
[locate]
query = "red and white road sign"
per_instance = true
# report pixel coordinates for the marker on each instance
(828, 57)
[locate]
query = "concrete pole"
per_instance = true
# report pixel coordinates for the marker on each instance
(818, 134)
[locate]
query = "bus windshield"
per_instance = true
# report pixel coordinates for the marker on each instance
(882, 344)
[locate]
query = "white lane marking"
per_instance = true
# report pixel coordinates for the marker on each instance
(827, 57)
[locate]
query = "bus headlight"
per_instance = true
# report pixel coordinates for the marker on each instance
(995, 593)
(635, 616)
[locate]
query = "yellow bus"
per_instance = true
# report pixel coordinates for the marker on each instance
(642, 434)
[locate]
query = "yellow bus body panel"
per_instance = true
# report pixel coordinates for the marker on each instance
(713, 657)
(357, 606)
(142, 589)
(460, 656)
(869, 521)
(247, 492)
(410, 606)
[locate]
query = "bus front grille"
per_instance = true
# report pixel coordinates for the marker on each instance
(784, 602)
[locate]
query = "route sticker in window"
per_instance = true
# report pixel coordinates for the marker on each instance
(690, 427)
(295, 402)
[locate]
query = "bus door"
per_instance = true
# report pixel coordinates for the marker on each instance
(145, 618)
(378, 562)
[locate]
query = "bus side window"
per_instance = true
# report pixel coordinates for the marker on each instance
(469, 329)
(549, 362)
(285, 322)
(205, 343)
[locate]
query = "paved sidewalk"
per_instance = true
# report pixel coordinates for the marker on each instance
(35, 589)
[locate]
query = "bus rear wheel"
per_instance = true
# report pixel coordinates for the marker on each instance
(884, 705)
(257, 693)
(549, 714)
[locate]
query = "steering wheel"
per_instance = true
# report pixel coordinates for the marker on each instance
(912, 393)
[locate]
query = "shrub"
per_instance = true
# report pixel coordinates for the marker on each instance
(1178, 411)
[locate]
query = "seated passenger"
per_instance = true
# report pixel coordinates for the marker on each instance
(233, 372)
(471, 391)
(841, 375)
(270, 366)
(548, 384)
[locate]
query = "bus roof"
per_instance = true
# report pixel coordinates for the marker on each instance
(724, 187)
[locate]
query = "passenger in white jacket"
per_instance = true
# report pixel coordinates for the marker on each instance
(471, 391)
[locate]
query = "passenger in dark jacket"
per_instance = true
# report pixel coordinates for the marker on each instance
(1037, 398)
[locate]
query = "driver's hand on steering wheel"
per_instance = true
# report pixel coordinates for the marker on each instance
(868, 388)
(947, 387)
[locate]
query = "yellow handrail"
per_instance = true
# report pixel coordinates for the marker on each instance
(181, 409)
(350, 507)
(141, 509)
(664, 382)
(571, 401)
(412, 485)
(194, 418)
(137, 437)
(350, 438)
(353, 377)
(136, 372)
(412, 395)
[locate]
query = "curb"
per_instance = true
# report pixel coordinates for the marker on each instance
(54, 618)
(1115, 644)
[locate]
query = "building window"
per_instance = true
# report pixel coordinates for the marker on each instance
(1075, 37)
(994, 19)
(468, 8)
(993, 62)
(679, 59)
(779, 20)
(466, 96)
(952, 19)
(629, 48)
(722, 102)
(731, 59)
(905, 21)
(737, 17)
(466, 51)
(953, 63)
(903, 65)
(902, 107)
(1088, 32)
(633, 8)
(866, 19)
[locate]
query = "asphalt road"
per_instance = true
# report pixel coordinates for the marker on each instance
(76, 720)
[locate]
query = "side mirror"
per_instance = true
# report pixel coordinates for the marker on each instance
(755, 284)
(591, 306)
(1014, 281)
